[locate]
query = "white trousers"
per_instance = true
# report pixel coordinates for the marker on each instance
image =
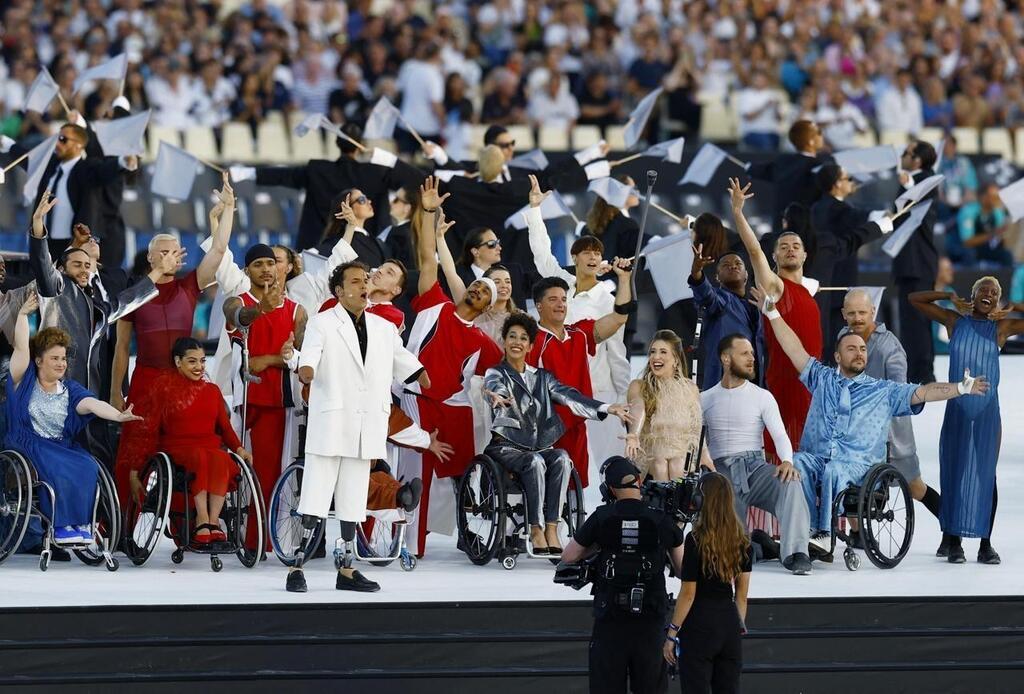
(346, 479)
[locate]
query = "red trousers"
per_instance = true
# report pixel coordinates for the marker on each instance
(131, 456)
(574, 442)
(212, 467)
(455, 427)
(266, 443)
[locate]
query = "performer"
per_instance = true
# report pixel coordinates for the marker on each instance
(971, 429)
(188, 421)
(848, 424)
(793, 294)
(888, 361)
(444, 339)
(45, 413)
(164, 319)
(526, 426)
(350, 359)
(566, 348)
(351, 212)
(665, 413)
(268, 324)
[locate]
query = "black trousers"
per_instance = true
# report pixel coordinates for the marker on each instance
(710, 650)
(916, 332)
(626, 656)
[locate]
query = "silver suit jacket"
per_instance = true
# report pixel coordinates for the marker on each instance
(531, 422)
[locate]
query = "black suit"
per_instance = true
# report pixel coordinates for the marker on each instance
(104, 209)
(369, 249)
(323, 180)
(913, 270)
(792, 175)
(398, 243)
(840, 229)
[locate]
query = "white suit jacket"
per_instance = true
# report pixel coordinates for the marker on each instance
(349, 400)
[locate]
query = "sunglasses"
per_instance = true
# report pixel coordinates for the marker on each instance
(361, 200)
(492, 244)
(511, 144)
(63, 139)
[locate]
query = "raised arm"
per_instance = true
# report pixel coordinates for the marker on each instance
(788, 339)
(540, 242)
(21, 356)
(48, 281)
(609, 324)
(937, 392)
(444, 256)
(763, 273)
(925, 303)
(97, 407)
(206, 273)
(426, 251)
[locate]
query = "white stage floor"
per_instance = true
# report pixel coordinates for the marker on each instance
(446, 575)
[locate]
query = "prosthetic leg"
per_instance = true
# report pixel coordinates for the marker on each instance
(344, 553)
(296, 582)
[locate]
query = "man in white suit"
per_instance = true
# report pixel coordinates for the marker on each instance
(350, 358)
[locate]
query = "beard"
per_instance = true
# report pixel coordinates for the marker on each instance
(741, 372)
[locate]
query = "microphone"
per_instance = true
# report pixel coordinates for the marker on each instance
(652, 177)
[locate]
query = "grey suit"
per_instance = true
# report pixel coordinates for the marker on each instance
(525, 431)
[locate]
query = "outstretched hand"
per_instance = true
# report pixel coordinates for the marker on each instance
(430, 196)
(633, 448)
(1000, 312)
(498, 400)
(700, 261)
(31, 303)
(738, 194)
(537, 197)
(443, 225)
(129, 416)
(620, 411)
(46, 203)
(346, 214)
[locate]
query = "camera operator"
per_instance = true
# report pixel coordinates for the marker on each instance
(632, 542)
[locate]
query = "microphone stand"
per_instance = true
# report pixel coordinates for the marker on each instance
(652, 177)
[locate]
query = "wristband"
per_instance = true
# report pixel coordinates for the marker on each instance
(293, 363)
(673, 639)
(769, 310)
(675, 627)
(965, 386)
(625, 309)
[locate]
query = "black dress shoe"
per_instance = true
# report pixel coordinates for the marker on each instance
(856, 541)
(956, 555)
(799, 564)
(554, 551)
(943, 550)
(987, 555)
(356, 582)
(409, 495)
(769, 547)
(296, 582)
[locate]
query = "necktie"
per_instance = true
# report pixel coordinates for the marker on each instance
(53, 189)
(843, 414)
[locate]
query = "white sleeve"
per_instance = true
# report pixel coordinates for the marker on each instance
(231, 280)
(618, 363)
(773, 423)
(540, 246)
(313, 342)
(412, 437)
(405, 362)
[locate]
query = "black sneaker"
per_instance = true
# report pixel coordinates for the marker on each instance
(956, 555)
(409, 495)
(856, 541)
(769, 547)
(296, 582)
(799, 564)
(987, 555)
(356, 582)
(943, 550)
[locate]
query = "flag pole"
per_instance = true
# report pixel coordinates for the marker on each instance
(661, 209)
(742, 164)
(211, 165)
(833, 289)
(17, 161)
(904, 210)
(631, 157)
(67, 111)
(652, 177)
(412, 131)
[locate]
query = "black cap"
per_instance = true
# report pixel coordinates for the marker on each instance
(260, 250)
(620, 473)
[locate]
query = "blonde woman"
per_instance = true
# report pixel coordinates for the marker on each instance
(665, 412)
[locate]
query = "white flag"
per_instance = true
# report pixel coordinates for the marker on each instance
(533, 160)
(867, 160)
(898, 239)
(553, 207)
(703, 167)
(666, 258)
(380, 124)
(638, 118)
(174, 172)
(114, 69)
(919, 191)
(123, 136)
(611, 191)
(43, 90)
(670, 150)
(38, 158)
(1013, 197)
(310, 122)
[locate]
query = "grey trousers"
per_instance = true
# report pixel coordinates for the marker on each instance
(754, 484)
(544, 476)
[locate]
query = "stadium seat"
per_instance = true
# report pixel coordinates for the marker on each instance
(272, 142)
(179, 216)
(523, 135)
(275, 117)
(136, 210)
(553, 138)
(932, 135)
(1018, 137)
(267, 214)
(899, 138)
(200, 142)
(968, 140)
(331, 150)
(585, 135)
(865, 139)
(237, 144)
(615, 138)
(305, 148)
(156, 134)
(997, 141)
(717, 122)
(476, 136)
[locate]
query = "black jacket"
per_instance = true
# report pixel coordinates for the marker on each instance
(398, 243)
(87, 177)
(619, 237)
(104, 209)
(919, 259)
(369, 249)
(792, 174)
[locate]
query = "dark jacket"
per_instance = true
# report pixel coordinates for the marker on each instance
(87, 176)
(369, 249)
(531, 422)
(919, 259)
(792, 174)
(398, 243)
(619, 237)
(104, 209)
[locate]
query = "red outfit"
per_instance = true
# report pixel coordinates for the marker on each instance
(158, 324)
(385, 310)
(452, 351)
(800, 311)
(569, 360)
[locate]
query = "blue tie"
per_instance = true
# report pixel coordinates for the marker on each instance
(845, 405)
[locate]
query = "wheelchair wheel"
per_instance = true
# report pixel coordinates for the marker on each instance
(573, 511)
(886, 514)
(15, 501)
(245, 515)
(285, 521)
(145, 514)
(379, 546)
(106, 528)
(481, 510)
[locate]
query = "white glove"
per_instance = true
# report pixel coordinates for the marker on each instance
(769, 310)
(5, 144)
(382, 157)
(598, 169)
(585, 156)
(580, 226)
(241, 173)
(965, 386)
(882, 219)
(437, 154)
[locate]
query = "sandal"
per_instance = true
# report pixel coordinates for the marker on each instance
(206, 539)
(216, 534)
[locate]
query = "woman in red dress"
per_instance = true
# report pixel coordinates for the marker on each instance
(189, 421)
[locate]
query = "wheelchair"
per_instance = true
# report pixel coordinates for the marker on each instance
(492, 517)
(379, 541)
(884, 511)
(20, 493)
(163, 506)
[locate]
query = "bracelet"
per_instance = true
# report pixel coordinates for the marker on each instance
(675, 627)
(430, 211)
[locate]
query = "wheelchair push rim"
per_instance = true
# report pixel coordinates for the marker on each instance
(886, 511)
(146, 515)
(15, 501)
(245, 504)
(285, 521)
(106, 525)
(481, 510)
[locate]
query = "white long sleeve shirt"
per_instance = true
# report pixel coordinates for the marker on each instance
(737, 417)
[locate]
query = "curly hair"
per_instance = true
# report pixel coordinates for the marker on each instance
(720, 537)
(524, 321)
(47, 339)
(650, 387)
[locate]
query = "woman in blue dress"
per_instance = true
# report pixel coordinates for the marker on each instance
(971, 429)
(45, 413)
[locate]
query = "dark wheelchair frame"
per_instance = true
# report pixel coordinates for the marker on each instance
(152, 516)
(378, 548)
(483, 496)
(20, 491)
(877, 508)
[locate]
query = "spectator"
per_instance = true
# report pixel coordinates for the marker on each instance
(313, 85)
(171, 95)
(982, 226)
(759, 114)
(458, 110)
(841, 120)
(505, 105)
(598, 105)
(960, 185)
(553, 107)
(900, 107)
(214, 94)
(350, 102)
(937, 109)
(647, 71)
(422, 85)
(970, 108)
